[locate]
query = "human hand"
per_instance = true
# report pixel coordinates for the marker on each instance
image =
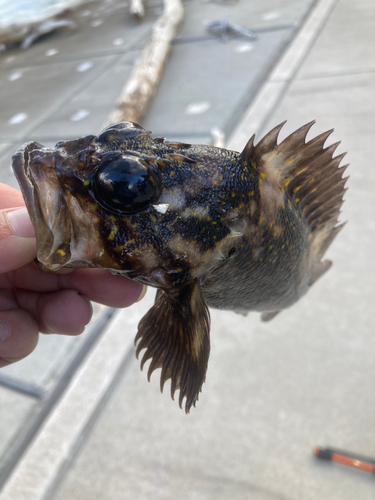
(33, 301)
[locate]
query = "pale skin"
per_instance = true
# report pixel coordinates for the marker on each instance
(33, 301)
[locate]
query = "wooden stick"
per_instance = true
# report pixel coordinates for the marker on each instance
(141, 86)
(137, 9)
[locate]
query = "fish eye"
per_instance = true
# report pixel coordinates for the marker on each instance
(127, 185)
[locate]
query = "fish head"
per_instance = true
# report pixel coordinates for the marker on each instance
(126, 203)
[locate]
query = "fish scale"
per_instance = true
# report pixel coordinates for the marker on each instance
(206, 226)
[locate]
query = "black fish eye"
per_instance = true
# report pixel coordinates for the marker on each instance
(127, 185)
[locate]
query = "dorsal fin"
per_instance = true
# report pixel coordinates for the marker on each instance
(307, 173)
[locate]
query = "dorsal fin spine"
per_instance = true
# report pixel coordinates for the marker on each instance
(247, 151)
(308, 175)
(269, 141)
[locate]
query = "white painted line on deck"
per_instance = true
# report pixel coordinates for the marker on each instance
(52, 446)
(273, 89)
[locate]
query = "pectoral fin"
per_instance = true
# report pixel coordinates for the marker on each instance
(175, 333)
(269, 315)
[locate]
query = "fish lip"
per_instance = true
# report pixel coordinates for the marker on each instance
(21, 169)
(33, 167)
(20, 165)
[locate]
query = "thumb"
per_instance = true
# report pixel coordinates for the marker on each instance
(17, 239)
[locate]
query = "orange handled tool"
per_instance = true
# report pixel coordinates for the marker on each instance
(346, 458)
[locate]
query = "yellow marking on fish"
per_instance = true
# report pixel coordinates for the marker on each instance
(113, 233)
(86, 183)
(174, 146)
(262, 174)
(61, 252)
(162, 163)
(111, 218)
(301, 171)
(172, 173)
(176, 157)
(83, 201)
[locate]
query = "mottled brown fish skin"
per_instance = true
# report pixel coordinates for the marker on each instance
(206, 189)
(206, 226)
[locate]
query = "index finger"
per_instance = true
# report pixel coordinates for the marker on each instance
(15, 251)
(10, 197)
(96, 284)
(101, 286)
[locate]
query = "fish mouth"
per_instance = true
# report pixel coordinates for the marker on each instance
(34, 168)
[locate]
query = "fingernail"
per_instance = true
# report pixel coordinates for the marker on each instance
(4, 330)
(20, 223)
(143, 293)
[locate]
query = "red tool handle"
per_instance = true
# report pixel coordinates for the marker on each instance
(345, 458)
